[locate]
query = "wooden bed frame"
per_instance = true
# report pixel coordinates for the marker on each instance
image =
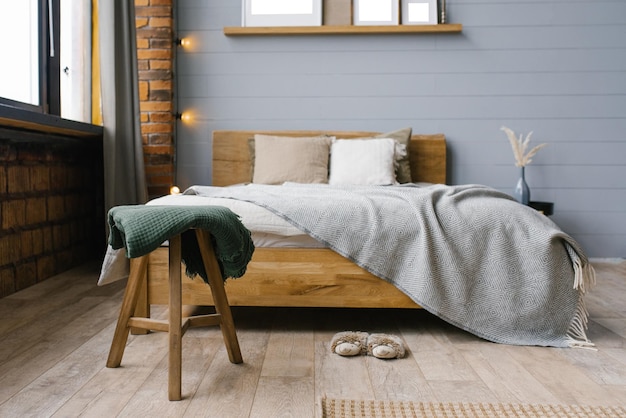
(294, 277)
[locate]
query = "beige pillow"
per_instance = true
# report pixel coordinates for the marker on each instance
(280, 159)
(403, 137)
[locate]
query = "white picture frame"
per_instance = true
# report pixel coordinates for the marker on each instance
(376, 12)
(281, 13)
(419, 12)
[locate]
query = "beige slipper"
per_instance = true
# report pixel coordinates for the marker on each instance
(349, 343)
(385, 346)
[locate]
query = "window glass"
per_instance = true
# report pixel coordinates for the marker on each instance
(19, 49)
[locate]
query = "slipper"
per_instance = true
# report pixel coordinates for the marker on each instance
(349, 343)
(385, 346)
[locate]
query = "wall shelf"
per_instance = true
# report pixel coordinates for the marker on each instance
(340, 30)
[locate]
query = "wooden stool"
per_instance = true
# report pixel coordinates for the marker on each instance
(177, 324)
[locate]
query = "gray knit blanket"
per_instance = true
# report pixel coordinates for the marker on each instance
(469, 254)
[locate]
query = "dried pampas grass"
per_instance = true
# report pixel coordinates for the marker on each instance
(522, 158)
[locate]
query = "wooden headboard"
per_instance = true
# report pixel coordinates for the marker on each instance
(232, 164)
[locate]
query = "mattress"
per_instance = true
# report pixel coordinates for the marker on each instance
(267, 230)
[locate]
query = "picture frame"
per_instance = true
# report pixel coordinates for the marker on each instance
(419, 12)
(337, 12)
(376, 12)
(281, 13)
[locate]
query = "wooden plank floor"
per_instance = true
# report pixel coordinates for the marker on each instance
(55, 336)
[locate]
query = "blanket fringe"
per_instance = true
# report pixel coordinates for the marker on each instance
(584, 280)
(584, 274)
(576, 335)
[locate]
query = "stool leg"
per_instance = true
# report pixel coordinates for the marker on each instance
(227, 324)
(142, 307)
(175, 320)
(128, 306)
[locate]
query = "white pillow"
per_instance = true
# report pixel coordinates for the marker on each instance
(363, 161)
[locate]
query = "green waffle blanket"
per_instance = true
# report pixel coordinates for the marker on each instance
(142, 229)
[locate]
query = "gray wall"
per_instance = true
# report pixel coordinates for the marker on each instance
(557, 68)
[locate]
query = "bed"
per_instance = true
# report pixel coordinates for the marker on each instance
(297, 277)
(467, 253)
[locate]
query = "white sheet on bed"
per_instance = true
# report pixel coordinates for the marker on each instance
(268, 230)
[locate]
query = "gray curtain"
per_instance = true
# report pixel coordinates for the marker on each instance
(124, 174)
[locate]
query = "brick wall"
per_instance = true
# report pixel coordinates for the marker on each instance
(155, 55)
(51, 206)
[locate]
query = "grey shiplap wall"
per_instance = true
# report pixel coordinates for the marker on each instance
(557, 68)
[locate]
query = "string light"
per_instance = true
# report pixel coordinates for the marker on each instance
(174, 190)
(183, 42)
(184, 117)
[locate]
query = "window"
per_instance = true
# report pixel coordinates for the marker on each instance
(19, 31)
(46, 50)
(20, 45)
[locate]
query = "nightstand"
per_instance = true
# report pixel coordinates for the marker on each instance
(547, 208)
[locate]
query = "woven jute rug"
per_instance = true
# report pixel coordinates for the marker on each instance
(344, 408)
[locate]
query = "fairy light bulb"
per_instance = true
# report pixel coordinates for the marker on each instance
(183, 42)
(185, 117)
